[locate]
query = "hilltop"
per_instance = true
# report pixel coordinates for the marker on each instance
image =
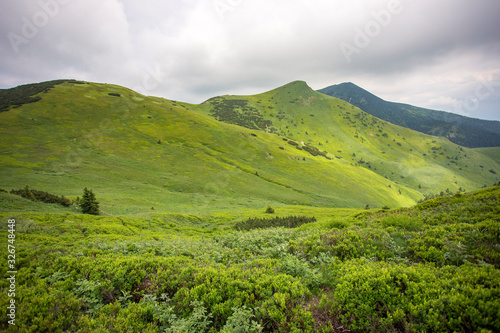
(332, 128)
(465, 131)
(287, 146)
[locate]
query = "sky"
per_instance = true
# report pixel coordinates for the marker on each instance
(442, 55)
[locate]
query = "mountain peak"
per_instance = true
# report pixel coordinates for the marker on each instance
(461, 130)
(348, 90)
(299, 88)
(297, 85)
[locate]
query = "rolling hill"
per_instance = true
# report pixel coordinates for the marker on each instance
(465, 131)
(289, 146)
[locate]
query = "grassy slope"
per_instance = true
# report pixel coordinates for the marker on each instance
(404, 156)
(465, 131)
(79, 136)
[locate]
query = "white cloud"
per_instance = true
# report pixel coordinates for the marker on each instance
(425, 53)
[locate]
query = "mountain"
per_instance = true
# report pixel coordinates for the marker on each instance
(465, 131)
(287, 146)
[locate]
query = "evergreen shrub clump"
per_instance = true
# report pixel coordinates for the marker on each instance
(42, 196)
(285, 222)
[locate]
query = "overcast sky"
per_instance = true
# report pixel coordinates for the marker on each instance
(441, 54)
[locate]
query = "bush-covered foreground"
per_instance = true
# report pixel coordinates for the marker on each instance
(430, 268)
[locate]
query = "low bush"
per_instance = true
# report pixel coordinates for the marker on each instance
(36, 195)
(383, 297)
(285, 222)
(420, 269)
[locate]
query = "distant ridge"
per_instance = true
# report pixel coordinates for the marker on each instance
(464, 131)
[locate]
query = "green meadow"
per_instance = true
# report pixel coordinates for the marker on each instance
(138, 152)
(350, 223)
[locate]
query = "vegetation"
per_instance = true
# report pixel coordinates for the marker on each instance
(36, 195)
(89, 203)
(182, 242)
(238, 112)
(285, 222)
(432, 267)
(465, 131)
(202, 165)
(27, 93)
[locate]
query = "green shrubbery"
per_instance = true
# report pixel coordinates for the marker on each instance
(36, 195)
(286, 222)
(25, 94)
(422, 269)
(381, 296)
(238, 112)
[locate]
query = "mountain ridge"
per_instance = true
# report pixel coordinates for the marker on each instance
(288, 146)
(465, 131)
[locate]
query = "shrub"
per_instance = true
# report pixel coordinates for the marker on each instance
(402, 221)
(241, 322)
(35, 195)
(382, 297)
(286, 222)
(25, 94)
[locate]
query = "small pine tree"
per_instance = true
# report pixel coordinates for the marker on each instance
(88, 203)
(270, 210)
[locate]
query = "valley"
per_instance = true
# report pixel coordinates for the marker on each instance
(285, 211)
(288, 146)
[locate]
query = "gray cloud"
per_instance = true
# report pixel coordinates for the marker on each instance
(427, 53)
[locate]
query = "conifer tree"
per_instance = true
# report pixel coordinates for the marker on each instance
(88, 203)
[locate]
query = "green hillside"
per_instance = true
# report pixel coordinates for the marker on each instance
(351, 137)
(465, 131)
(296, 147)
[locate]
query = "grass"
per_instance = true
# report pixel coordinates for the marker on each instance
(143, 155)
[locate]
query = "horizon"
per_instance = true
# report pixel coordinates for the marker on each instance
(193, 50)
(316, 90)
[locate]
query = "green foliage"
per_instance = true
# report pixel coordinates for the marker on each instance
(197, 322)
(35, 195)
(388, 297)
(465, 131)
(402, 221)
(315, 151)
(26, 93)
(433, 268)
(184, 266)
(241, 322)
(89, 203)
(89, 293)
(238, 112)
(286, 222)
(57, 145)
